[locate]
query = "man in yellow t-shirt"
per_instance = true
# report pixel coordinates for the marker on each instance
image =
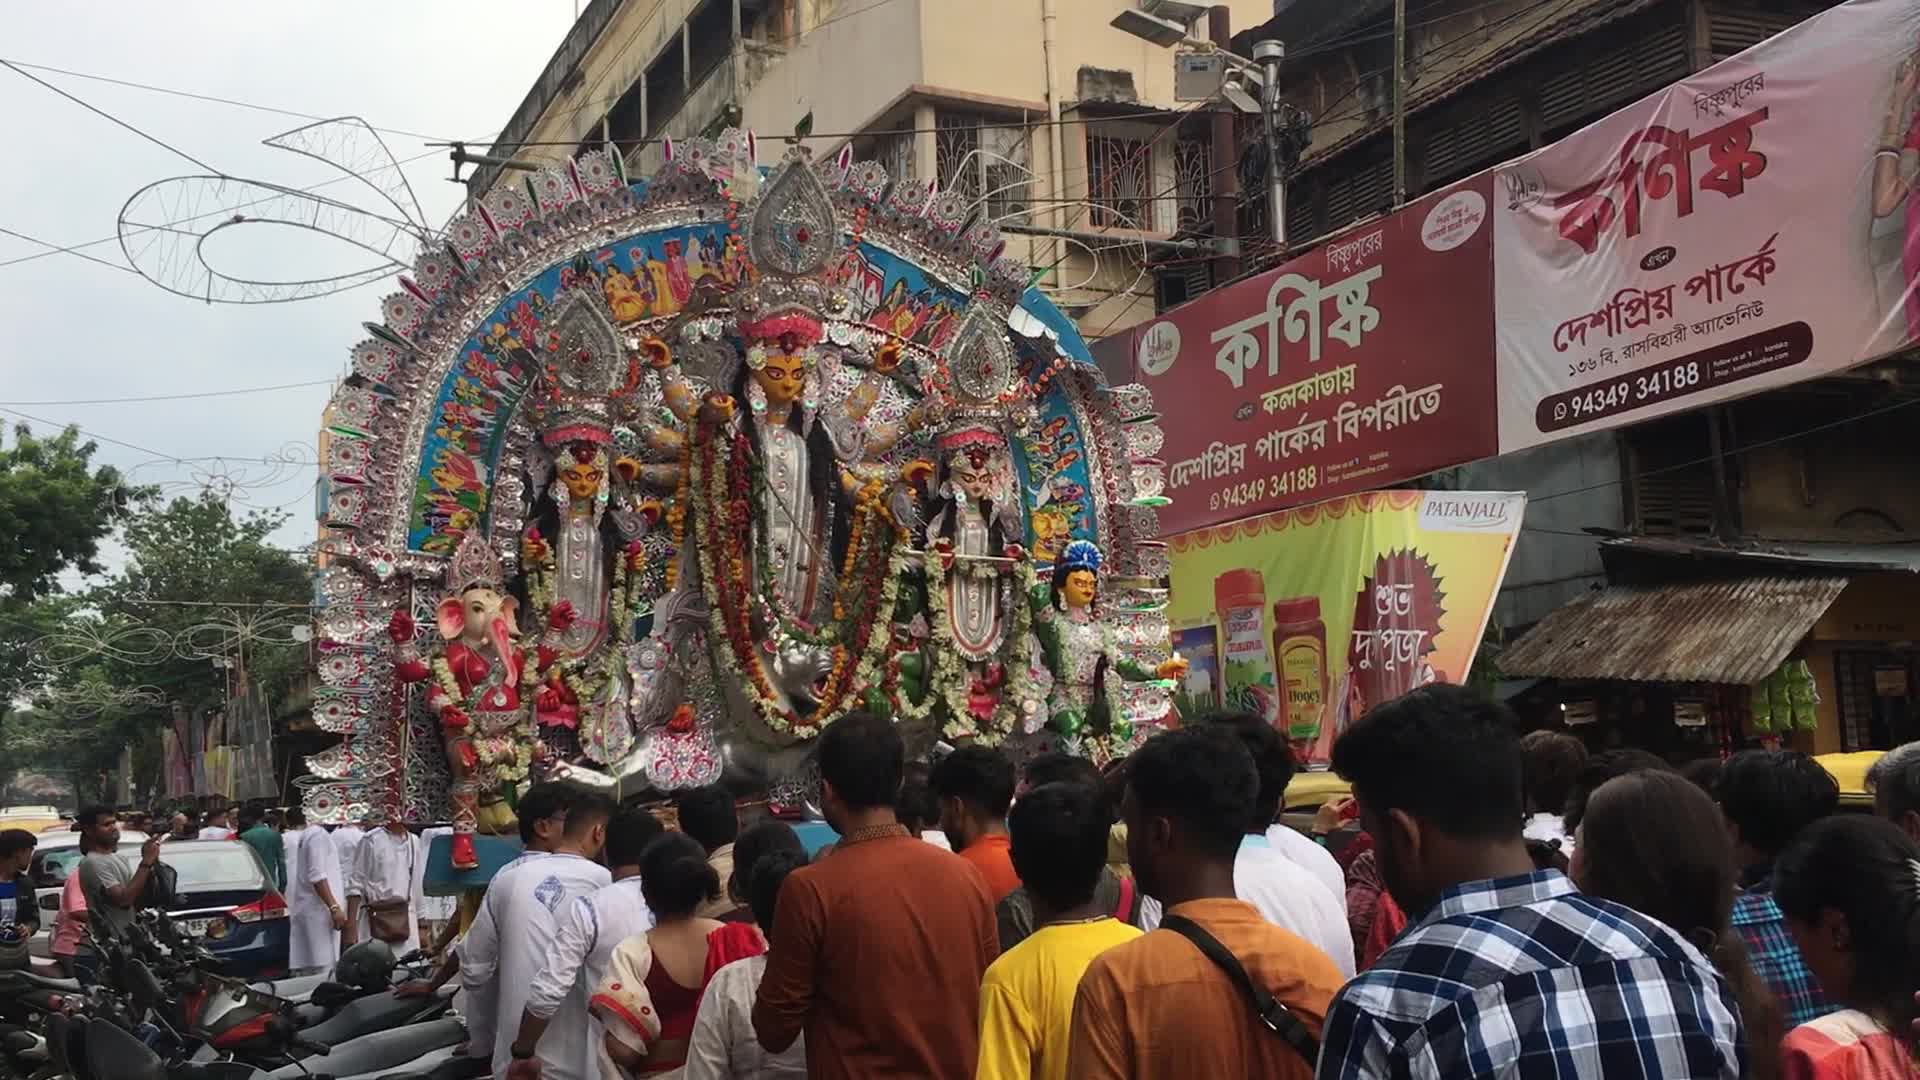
(1026, 999)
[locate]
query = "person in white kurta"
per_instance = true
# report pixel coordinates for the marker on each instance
(432, 912)
(384, 868)
(290, 854)
(314, 941)
(590, 928)
(511, 939)
(346, 845)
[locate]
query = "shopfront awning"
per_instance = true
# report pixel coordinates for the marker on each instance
(1727, 631)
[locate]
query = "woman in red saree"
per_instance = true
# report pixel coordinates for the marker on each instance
(654, 980)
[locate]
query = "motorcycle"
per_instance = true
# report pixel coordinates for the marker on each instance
(163, 988)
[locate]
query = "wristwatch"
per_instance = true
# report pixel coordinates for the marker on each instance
(519, 1052)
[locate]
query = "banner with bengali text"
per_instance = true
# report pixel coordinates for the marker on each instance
(1749, 227)
(1310, 615)
(1362, 363)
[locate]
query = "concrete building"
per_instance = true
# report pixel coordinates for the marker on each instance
(1038, 109)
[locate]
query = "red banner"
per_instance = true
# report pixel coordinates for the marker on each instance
(1359, 365)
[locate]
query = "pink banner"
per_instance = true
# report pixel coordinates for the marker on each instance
(1747, 228)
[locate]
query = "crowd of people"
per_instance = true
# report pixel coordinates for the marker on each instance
(1482, 905)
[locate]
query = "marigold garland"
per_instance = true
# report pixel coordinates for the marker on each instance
(722, 490)
(951, 680)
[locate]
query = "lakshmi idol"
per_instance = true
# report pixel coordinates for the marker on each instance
(587, 549)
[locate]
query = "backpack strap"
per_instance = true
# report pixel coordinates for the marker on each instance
(1277, 1017)
(1123, 911)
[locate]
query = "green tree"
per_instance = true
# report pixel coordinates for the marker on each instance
(213, 583)
(55, 509)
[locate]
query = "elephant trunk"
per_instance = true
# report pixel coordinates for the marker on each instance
(503, 648)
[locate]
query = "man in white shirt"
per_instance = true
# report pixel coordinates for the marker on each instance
(520, 918)
(290, 849)
(315, 916)
(591, 927)
(383, 871)
(216, 827)
(346, 845)
(432, 913)
(1307, 853)
(1284, 893)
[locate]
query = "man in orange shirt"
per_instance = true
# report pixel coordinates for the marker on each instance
(878, 949)
(1156, 1007)
(975, 787)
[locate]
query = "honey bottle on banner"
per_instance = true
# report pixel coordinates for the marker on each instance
(1300, 643)
(1246, 667)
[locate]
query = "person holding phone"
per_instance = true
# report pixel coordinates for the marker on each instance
(111, 888)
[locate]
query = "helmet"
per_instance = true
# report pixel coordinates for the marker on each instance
(368, 965)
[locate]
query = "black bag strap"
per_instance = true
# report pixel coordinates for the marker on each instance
(1278, 1018)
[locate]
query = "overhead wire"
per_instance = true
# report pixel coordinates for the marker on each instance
(159, 455)
(213, 98)
(56, 249)
(74, 249)
(175, 397)
(95, 109)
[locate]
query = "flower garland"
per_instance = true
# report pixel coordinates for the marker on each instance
(722, 502)
(443, 676)
(951, 680)
(677, 513)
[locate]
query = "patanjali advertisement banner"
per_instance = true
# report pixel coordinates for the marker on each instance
(1311, 615)
(1749, 227)
(1360, 364)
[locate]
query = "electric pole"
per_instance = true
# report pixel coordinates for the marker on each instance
(1220, 162)
(1399, 103)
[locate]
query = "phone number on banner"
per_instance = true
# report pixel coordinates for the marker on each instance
(1703, 371)
(1298, 481)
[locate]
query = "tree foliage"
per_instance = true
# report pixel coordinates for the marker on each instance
(200, 587)
(55, 509)
(213, 583)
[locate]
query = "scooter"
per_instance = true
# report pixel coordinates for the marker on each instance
(117, 1054)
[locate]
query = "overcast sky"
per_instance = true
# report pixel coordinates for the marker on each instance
(79, 330)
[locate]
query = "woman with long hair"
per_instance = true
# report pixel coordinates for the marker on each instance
(654, 980)
(1850, 888)
(1653, 840)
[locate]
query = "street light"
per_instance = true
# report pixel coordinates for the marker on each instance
(1236, 93)
(1260, 75)
(1162, 32)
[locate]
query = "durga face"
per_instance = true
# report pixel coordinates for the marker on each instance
(782, 377)
(582, 479)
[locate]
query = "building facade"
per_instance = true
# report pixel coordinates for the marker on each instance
(1039, 110)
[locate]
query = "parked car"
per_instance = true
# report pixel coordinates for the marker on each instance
(223, 896)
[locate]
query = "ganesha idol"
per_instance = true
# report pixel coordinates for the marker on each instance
(475, 692)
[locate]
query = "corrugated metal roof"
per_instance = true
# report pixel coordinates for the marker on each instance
(1730, 631)
(1897, 556)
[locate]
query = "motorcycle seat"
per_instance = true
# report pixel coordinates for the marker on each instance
(378, 1053)
(374, 1012)
(46, 982)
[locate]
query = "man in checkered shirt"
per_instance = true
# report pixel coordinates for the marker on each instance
(1767, 797)
(1504, 971)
